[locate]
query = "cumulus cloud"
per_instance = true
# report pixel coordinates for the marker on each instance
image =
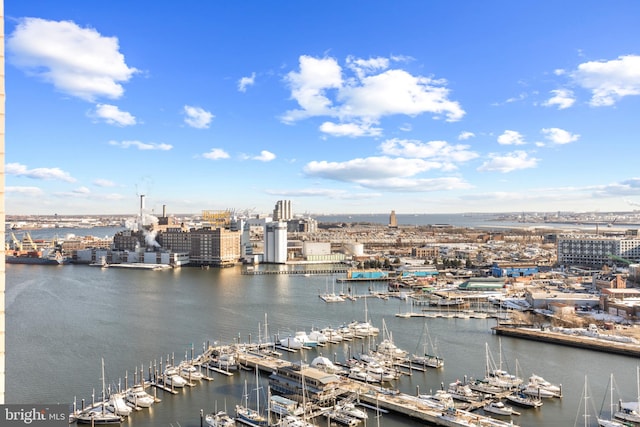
(265, 156)
(143, 146)
(511, 137)
(350, 129)
(559, 136)
(609, 81)
(369, 168)
(508, 162)
(114, 116)
(466, 135)
(441, 151)
(77, 61)
(321, 87)
(47, 174)
(245, 82)
(197, 117)
(216, 154)
(385, 173)
(562, 98)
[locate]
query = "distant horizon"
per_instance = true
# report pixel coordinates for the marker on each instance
(340, 214)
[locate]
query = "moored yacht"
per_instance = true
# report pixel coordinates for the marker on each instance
(138, 397)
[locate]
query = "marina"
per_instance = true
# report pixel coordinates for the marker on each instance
(222, 309)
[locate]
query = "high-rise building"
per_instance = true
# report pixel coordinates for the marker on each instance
(275, 242)
(393, 221)
(282, 211)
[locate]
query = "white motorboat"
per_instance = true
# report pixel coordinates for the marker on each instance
(290, 343)
(118, 405)
(548, 389)
(189, 372)
(350, 409)
(305, 340)
(332, 335)
(441, 400)
(138, 397)
(172, 377)
(499, 408)
(318, 336)
(219, 419)
(461, 391)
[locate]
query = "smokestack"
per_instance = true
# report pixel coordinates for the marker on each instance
(142, 209)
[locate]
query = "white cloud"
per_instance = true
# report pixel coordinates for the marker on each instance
(244, 82)
(197, 117)
(562, 98)
(82, 190)
(438, 150)
(350, 129)
(103, 183)
(370, 94)
(508, 162)
(466, 135)
(559, 136)
(27, 191)
(265, 156)
(369, 168)
(48, 174)
(114, 116)
(385, 173)
(309, 86)
(77, 61)
(511, 137)
(363, 67)
(216, 154)
(609, 81)
(143, 146)
(398, 92)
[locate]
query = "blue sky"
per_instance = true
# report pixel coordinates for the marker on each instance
(338, 106)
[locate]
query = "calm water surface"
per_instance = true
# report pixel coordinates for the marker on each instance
(61, 321)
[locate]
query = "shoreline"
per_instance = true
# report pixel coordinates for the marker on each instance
(584, 342)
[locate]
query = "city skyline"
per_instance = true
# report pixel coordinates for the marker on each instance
(417, 107)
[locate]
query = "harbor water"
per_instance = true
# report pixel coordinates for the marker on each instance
(61, 321)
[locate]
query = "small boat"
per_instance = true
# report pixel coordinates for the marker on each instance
(290, 343)
(523, 400)
(536, 382)
(138, 397)
(172, 377)
(499, 408)
(118, 406)
(350, 409)
(219, 419)
(189, 372)
(99, 413)
(283, 406)
(461, 391)
(294, 421)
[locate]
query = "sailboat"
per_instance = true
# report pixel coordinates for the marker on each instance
(248, 416)
(99, 414)
(610, 422)
(630, 411)
(427, 358)
(331, 297)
